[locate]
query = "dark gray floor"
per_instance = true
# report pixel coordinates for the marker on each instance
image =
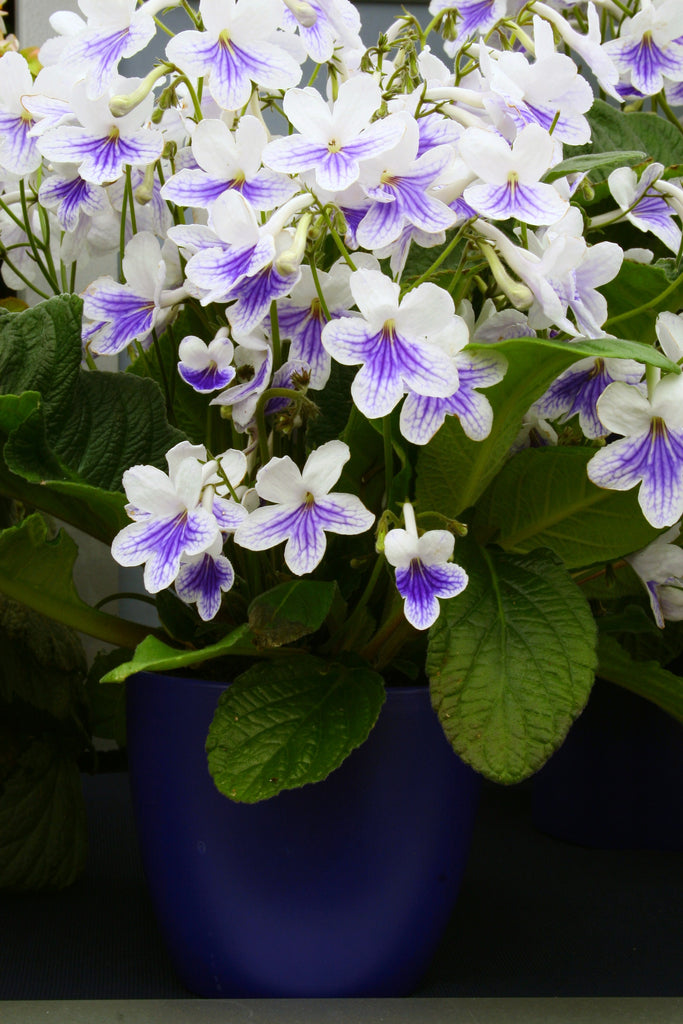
(535, 918)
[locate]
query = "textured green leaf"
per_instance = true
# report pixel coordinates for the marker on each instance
(70, 431)
(511, 661)
(43, 837)
(543, 498)
(153, 655)
(290, 611)
(282, 725)
(452, 470)
(617, 130)
(43, 662)
(646, 678)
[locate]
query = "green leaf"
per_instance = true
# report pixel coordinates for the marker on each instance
(284, 725)
(542, 497)
(452, 470)
(43, 662)
(637, 294)
(619, 130)
(153, 655)
(290, 611)
(68, 430)
(591, 161)
(646, 678)
(37, 570)
(43, 836)
(511, 661)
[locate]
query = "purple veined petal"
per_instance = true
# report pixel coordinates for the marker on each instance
(473, 410)
(661, 492)
(267, 189)
(421, 417)
(426, 212)
(573, 131)
(100, 51)
(647, 62)
(293, 154)
(210, 378)
(199, 53)
(193, 187)
(268, 526)
(218, 270)
(576, 392)
(255, 294)
(269, 66)
(420, 585)
(307, 346)
(71, 197)
(381, 225)
(531, 204)
(19, 152)
(654, 214)
(436, 130)
(344, 514)
(229, 514)
(127, 317)
(103, 159)
(204, 581)
(376, 139)
(160, 544)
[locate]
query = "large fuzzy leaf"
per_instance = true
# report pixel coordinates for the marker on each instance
(511, 661)
(282, 725)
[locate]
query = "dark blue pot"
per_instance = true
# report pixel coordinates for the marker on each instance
(342, 888)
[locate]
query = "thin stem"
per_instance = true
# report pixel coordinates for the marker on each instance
(388, 458)
(131, 200)
(653, 303)
(318, 288)
(439, 260)
(275, 335)
(54, 284)
(337, 240)
(668, 112)
(22, 277)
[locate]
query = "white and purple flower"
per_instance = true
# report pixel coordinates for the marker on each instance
(402, 344)
(650, 452)
(424, 572)
(303, 508)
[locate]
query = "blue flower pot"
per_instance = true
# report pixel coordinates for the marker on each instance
(342, 888)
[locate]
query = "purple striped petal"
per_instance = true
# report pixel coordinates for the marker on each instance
(160, 544)
(209, 378)
(218, 270)
(19, 152)
(255, 294)
(531, 204)
(204, 581)
(656, 459)
(420, 585)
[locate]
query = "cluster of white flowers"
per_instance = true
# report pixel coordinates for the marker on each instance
(208, 198)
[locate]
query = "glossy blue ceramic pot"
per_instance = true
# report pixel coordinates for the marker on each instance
(342, 888)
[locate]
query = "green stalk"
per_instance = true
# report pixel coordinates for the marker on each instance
(388, 458)
(109, 628)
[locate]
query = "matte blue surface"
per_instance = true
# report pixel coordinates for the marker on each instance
(342, 888)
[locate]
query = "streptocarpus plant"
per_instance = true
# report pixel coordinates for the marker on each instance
(399, 395)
